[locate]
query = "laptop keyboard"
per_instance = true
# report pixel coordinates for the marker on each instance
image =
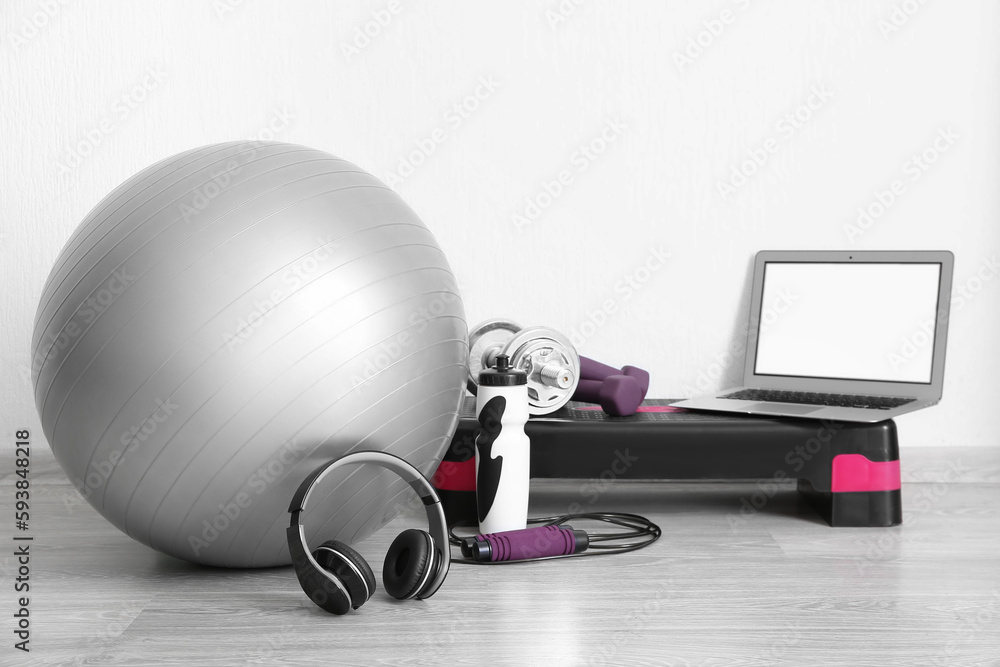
(811, 398)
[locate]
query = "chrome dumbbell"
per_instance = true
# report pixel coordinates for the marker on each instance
(545, 355)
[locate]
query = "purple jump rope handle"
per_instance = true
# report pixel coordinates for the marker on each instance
(595, 370)
(619, 395)
(525, 544)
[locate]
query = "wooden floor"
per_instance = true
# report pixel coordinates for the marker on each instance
(779, 588)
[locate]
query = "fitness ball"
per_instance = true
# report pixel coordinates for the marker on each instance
(227, 320)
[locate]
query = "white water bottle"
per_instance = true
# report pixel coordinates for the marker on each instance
(502, 448)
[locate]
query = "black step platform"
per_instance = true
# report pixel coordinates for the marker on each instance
(848, 471)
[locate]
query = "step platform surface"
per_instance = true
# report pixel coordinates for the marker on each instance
(848, 471)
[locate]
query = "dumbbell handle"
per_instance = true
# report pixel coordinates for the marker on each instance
(595, 370)
(619, 395)
(554, 375)
(551, 375)
(587, 391)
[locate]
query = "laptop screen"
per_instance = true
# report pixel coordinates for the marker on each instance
(849, 321)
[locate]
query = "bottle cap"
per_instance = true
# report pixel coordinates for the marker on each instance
(502, 375)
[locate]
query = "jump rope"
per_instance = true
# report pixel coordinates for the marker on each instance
(553, 539)
(502, 411)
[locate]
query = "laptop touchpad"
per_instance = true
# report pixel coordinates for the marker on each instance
(784, 408)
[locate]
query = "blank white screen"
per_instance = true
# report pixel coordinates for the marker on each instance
(865, 321)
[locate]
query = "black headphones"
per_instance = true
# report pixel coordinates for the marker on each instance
(337, 578)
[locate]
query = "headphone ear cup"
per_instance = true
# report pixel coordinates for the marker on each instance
(349, 567)
(409, 564)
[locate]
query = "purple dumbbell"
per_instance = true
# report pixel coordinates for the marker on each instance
(595, 370)
(619, 395)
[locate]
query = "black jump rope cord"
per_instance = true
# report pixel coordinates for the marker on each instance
(639, 527)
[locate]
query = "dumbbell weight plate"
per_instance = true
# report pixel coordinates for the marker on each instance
(491, 334)
(533, 348)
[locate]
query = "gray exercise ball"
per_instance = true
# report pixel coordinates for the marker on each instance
(227, 320)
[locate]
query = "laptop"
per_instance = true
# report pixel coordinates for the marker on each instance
(853, 336)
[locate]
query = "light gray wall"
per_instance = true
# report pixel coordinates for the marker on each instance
(94, 92)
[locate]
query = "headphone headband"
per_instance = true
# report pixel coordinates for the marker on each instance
(315, 578)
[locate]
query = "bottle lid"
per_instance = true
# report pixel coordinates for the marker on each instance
(502, 375)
